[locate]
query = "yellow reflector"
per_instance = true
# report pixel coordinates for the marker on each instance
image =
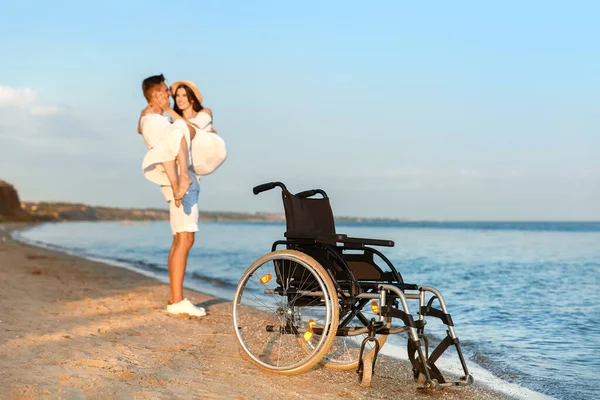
(266, 278)
(375, 307)
(307, 335)
(311, 323)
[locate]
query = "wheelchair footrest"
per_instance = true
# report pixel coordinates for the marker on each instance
(464, 381)
(424, 369)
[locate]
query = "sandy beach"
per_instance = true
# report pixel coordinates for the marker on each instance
(71, 328)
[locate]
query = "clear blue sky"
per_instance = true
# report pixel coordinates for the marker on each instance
(435, 110)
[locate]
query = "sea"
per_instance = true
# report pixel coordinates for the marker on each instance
(524, 296)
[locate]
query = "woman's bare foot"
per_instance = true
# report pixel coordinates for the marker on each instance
(184, 184)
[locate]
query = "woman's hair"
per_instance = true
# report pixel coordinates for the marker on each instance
(196, 106)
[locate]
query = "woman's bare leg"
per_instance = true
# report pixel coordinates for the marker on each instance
(171, 171)
(184, 175)
(181, 183)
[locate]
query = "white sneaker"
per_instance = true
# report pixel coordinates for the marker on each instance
(186, 307)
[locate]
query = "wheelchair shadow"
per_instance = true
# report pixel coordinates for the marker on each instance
(212, 302)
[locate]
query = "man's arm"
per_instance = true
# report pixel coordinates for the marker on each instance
(140, 122)
(151, 109)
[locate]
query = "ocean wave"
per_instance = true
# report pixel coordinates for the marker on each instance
(218, 282)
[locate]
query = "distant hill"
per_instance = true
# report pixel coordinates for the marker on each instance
(47, 211)
(10, 206)
(12, 209)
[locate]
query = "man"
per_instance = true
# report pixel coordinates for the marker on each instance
(184, 217)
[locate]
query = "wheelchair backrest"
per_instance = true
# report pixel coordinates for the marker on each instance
(308, 216)
(312, 217)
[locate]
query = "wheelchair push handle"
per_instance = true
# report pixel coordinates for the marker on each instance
(310, 193)
(267, 186)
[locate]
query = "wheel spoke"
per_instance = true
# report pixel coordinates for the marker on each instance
(272, 311)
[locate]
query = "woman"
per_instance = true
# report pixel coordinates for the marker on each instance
(188, 105)
(208, 150)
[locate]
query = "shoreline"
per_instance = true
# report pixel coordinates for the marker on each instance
(72, 328)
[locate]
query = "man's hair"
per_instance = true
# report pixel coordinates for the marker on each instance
(149, 83)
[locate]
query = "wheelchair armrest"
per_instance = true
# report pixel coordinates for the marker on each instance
(341, 238)
(367, 242)
(338, 237)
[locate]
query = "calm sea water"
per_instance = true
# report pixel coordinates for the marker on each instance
(525, 297)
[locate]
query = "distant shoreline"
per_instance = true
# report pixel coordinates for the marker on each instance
(64, 211)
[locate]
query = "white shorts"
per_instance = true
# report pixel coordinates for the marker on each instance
(185, 217)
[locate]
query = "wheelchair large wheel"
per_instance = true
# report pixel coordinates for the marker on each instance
(284, 300)
(345, 350)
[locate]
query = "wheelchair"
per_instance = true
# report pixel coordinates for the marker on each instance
(320, 297)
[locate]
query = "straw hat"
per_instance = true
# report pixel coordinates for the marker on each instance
(189, 84)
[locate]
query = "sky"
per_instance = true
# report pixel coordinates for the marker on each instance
(422, 110)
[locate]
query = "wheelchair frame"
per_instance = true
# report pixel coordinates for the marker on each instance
(334, 285)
